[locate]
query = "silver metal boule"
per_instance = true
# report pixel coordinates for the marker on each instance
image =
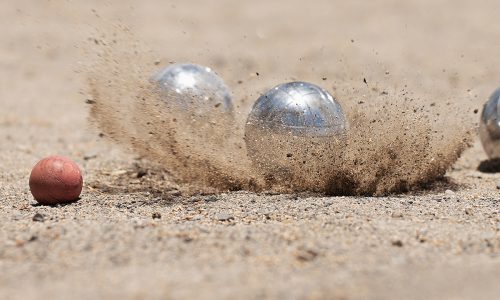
(203, 90)
(296, 129)
(299, 108)
(489, 128)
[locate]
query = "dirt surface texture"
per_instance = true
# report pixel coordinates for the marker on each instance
(173, 208)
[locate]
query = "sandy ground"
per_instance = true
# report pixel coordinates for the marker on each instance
(442, 243)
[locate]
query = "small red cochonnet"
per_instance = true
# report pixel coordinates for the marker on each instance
(56, 180)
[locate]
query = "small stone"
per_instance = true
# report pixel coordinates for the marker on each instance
(397, 243)
(194, 199)
(89, 156)
(211, 198)
(118, 172)
(498, 185)
(197, 217)
(174, 193)
(17, 217)
(468, 211)
(156, 215)
(306, 254)
(421, 235)
(397, 214)
(449, 192)
(329, 202)
(141, 173)
(224, 217)
(38, 217)
(139, 223)
(266, 214)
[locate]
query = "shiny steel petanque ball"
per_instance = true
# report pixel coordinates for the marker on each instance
(296, 129)
(195, 88)
(489, 129)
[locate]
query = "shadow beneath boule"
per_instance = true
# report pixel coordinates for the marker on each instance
(439, 185)
(62, 204)
(489, 166)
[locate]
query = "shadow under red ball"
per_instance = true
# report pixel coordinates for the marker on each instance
(56, 180)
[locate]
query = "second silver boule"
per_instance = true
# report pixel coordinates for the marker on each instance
(194, 88)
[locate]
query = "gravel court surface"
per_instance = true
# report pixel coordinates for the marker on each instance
(125, 239)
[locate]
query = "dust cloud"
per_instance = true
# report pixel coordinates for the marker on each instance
(397, 141)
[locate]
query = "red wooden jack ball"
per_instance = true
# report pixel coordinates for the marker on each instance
(55, 180)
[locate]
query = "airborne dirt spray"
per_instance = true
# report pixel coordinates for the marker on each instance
(397, 141)
(200, 149)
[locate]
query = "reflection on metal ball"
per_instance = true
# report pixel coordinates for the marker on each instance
(201, 90)
(489, 129)
(295, 130)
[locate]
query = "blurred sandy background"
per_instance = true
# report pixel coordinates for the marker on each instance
(433, 245)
